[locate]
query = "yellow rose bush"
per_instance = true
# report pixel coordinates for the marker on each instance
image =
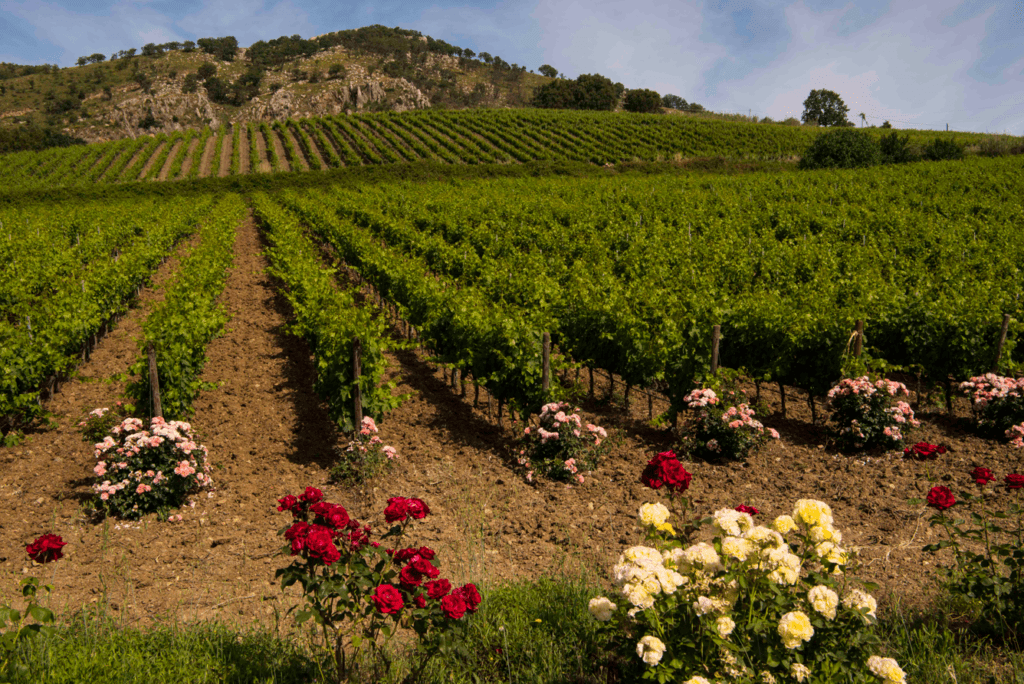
(756, 603)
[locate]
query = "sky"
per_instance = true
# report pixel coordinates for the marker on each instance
(915, 64)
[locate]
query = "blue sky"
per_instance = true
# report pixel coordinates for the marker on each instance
(916, 64)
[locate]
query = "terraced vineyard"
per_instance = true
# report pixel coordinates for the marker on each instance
(457, 137)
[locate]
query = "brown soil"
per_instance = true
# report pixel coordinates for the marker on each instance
(243, 150)
(269, 435)
(225, 155)
(261, 146)
(275, 140)
(152, 160)
(131, 163)
(170, 161)
(206, 160)
(190, 156)
(299, 159)
(315, 152)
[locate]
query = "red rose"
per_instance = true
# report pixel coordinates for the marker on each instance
(312, 495)
(333, 515)
(410, 577)
(744, 508)
(940, 498)
(420, 601)
(289, 503)
(296, 534)
(1014, 481)
(398, 509)
(982, 476)
(46, 548)
(353, 524)
(426, 553)
(425, 568)
(404, 555)
(454, 606)
(438, 588)
(418, 509)
(652, 476)
(675, 476)
(388, 599)
(320, 545)
(924, 451)
(470, 595)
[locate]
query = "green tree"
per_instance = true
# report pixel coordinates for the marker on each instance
(842, 148)
(206, 70)
(642, 100)
(825, 107)
(673, 102)
(548, 70)
(594, 91)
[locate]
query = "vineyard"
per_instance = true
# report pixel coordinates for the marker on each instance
(456, 137)
(278, 321)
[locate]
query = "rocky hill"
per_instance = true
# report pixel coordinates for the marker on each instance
(170, 88)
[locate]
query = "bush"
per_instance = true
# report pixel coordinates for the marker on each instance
(866, 414)
(1000, 145)
(943, 149)
(365, 457)
(337, 71)
(896, 149)
(206, 71)
(644, 101)
(842, 148)
(724, 427)
(562, 447)
(998, 405)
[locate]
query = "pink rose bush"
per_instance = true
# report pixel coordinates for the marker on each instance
(145, 471)
(363, 593)
(870, 414)
(562, 446)
(365, 457)
(998, 406)
(98, 422)
(722, 429)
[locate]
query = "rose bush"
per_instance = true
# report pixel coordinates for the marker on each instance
(985, 542)
(997, 403)
(362, 593)
(365, 457)
(562, 446)
(144, 471)
(923, 451)
(15, 627)
(97, 423)
(755, 603)
(722, 429)
(868, 414)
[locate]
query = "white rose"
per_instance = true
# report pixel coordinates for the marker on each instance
(811, 512)
(724, 626)
(654, 514)
(601, 608)
(800, 672)
(858, 600)
(784, 524)
(650, 649)
(795, 628)
(737, 547)
(888, 669)
(824, 600)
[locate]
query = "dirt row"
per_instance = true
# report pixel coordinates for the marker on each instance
(269, 435)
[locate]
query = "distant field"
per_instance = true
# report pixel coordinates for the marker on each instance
(455, 137)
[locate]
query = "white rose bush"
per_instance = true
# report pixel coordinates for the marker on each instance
(756, 603)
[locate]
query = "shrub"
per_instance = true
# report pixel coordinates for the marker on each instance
(988, 566)
(896, 148)
(775, 603)
(842, 148)
(337, 71)
(365, 457)
(644, 101)
(354, 588)
(943, 149)
(562, 447)
(148, 471)
(997, 403)
(724, 428)
(867, 414)
(98, 422)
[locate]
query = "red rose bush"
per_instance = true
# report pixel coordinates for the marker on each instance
(15, 627)
(721, 429)
(361, 591)
(562, 446)
(869, 414)
(144, 471)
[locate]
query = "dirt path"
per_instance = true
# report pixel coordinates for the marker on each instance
(190, 156)
(170, 161)
(225, 155)
(261, 146)
(243, 149)
(152, 160)
(206, 161)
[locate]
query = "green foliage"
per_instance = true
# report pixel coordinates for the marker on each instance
(843, 148)
(34, 137)
(223, 48)
(720, 425)
(548, 71)
(896, 149)
(96, 424)
(148, 121)
(189, 316)
(826, 108)
(206, 71)
(588, 91)
(336, 71)
(643, 101)
(943, 149)
(17, 628)
(560, 446)
(267, 53)
(869, 414)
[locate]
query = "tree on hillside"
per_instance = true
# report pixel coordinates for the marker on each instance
(548, 70)
(223, 48)
(825, 107)
(486, 57)
(589, 91)
(642, 100)
(673, 102)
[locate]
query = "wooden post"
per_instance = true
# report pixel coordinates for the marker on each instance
(546, 361)
(476, 393)
(591, 393)
(462, 383)
(626, 397)
(357, 394)
(782, 393)
(154, 384)
(716, 333)
(858, 339)
(650, 404)
(1002, 341)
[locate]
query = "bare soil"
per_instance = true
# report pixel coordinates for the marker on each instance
(152, 160)
(225, 155)
(170, 161)
(316, 152)
(299, 160)
(261, 145)
(131, 162)
(190, 158)
(206, 160)
(275, 140)
(270, 435)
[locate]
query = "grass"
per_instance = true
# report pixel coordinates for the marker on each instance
(536, 632)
